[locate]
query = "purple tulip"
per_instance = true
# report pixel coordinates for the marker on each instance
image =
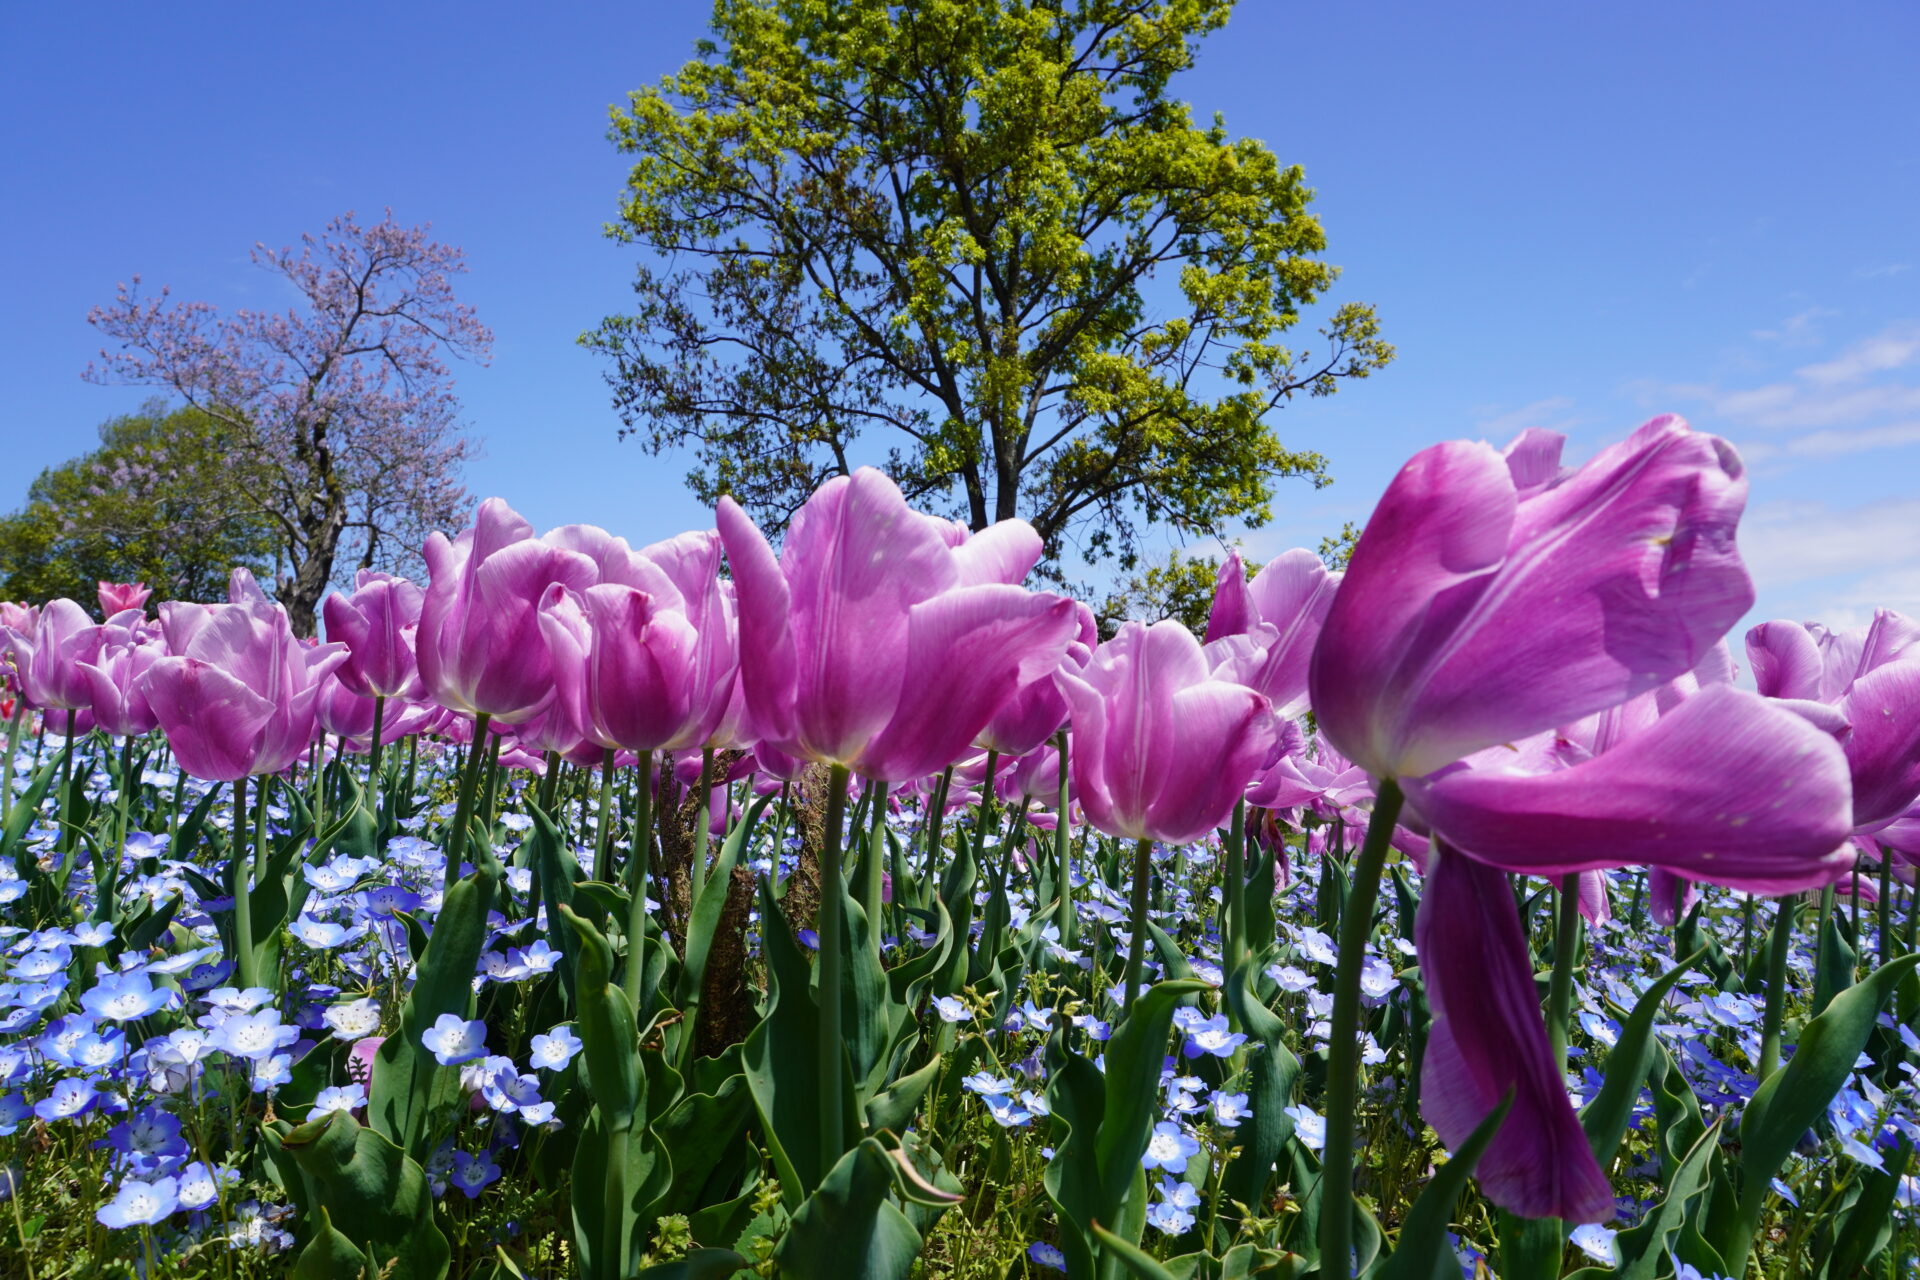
(377, 624)
(1035, 712)
(479, 644)
(1280, 614)
(236, 694)
(47, 659)
(1870, 679)
(113, 679)
(1162, 750)
(118, 597)
(874, 643)
(1494, 596)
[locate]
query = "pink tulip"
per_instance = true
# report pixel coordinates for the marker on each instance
(113, 679)
(479, 644)
(236, 694)
(46, 660)
(1279, 614)
(1036, 711)
(874, 643)
(118, 597)
(377, 624)
(1161, 749)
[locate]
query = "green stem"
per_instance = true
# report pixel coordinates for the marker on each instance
(1639, 893)
(1776, 986)
(1566, 941)
(13, 747)
(373, 762)
(1746, 932)
(1062, 840)
(832, 887)
(602, 842)
(1343, 1066)
(870, 866)
(463, 805)
(638, 876)
(935, 820)
(67, 833)
(109, 878)
(1234, 935)
(1137, 923)
(1886, 905)
(701, 834)
(239, 851)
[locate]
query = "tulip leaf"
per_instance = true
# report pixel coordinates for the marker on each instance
(330, 1255)
(1422, 1252)
(376, 1195)
(702, 1131)
(1605, 1118)
(701, 1264)
(408, 1082)
(26, 808)
(1796, 1095)
(848, 1229)
(1137, 1261)
(1833, 969)
(1643, 1249)
(704, 919)
(1868, 1226)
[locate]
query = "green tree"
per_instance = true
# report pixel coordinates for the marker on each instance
(984, 232)
(164, 500)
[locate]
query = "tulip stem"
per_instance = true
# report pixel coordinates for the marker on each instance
(373, 763)
(870, 865)
(109, 877)
(239, 852)
(66, 787)
(13, 748)
(1566, 940)
(1776, 986)
(832, 889)
(1886, 907)
(1062, 843)
(1343, 1066)
(1137, 923)
(602, 845)
(702, 821)
(1233, 934)
(637, 877)
(1746, 932)
(463, 804)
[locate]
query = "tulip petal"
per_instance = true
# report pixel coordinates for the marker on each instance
(1470, 617)
(1222, 733)
(768, 665)
(1883, 751)
(1488, 1039)
(212, 721)
(1005, 552)
(1233, 611)
(1786, 661)
(1728, 788)
(1291, 594)
(968, 650)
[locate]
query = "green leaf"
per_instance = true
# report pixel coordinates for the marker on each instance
(408, 1083)
(1271, 1072)
(1868, 1226)
(848, 1229)
(1643, 1249)
(701, 1264)
(331, 1256)
(704, 919)
(377, 1196)
(1136, 1260)
(1605, 1119)
(1421, 1252)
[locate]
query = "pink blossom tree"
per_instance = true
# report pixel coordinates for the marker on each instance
(344, 402)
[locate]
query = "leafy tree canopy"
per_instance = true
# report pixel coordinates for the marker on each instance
(164, 500)
(982, 233)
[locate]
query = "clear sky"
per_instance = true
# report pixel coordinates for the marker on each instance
(1572, 216)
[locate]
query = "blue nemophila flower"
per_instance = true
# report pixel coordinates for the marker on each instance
(1289, 978)
(1229, 1109)
(453, 1041)
(985, 1082)
(354, 1019)
(472, 1174)
(1046, 1255)
(69, 1098)
(148, 1140)
(253, 1036)
(324, 935)
(1314, 945)
(1006, 1113)
(1377, 979)
(506, 1090)
(1687, 1271)
(93, 933)
(140, 1204)
(1213, 1036)
(554, 1050)
(1310, 1127)
(1595, 1241)
(1174, 1213)
(37, 966)
(14, 1111)
(1170, 1147)
(950, 1008)
(199, 1185)
(123, 997)
(341, 1097)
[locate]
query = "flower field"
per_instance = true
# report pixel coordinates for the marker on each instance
(852, 910)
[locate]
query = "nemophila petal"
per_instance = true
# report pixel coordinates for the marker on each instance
(1475, 613)
(140, 1204)
(1728, 788)
(1488, 1041)
(453, 1040)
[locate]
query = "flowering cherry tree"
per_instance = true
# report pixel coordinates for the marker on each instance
(345, 401)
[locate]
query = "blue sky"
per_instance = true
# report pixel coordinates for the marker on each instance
(1568, 216)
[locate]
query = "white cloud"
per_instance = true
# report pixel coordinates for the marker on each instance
(1834, 444)
(1867, 381)
(1893, 348)
(1883, 271)
(1798, 330)
(1811, 561)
